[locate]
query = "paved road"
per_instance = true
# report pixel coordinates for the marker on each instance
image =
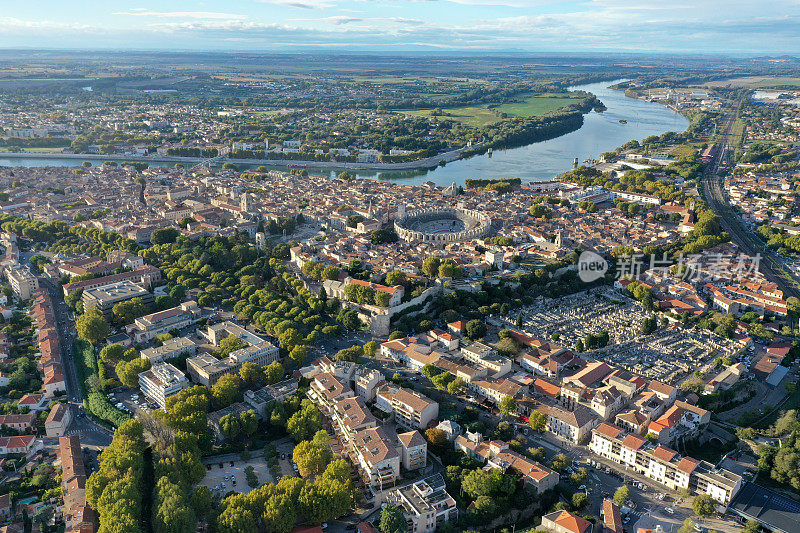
(771, 264)
(91, 433)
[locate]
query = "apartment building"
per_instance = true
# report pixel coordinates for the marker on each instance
(205, 369)
(413, 450)
(375, 451)
(463, 370)
(410, 352)
(326, 390)
(104, 298)
(365, 382)
(664, 465)
(425, 504)
(411, 410)
(162, 381)
(495, 389)
(486, 356)
(351, 415)
(573, 426)
(23, 282)
(681, 420)
(147, 327)
(177, 347)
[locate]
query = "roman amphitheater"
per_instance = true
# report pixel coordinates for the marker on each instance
(442, 224)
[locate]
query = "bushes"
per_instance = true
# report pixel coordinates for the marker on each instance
(98, 406)
(95, 402)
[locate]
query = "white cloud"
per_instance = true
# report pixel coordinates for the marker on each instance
(593, 25)
(210, 15)
(338, 20)
(302, 4)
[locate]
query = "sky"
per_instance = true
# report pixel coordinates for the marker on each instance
(680, 26)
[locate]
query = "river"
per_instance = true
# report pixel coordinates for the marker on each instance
(601, 132)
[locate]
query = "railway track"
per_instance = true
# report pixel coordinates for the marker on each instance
(770, 265)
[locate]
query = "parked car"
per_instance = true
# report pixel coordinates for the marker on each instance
(669, 510)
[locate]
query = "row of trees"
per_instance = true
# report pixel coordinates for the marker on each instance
(277, 507)
(115, 490)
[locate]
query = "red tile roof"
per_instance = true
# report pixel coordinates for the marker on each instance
(609, 430)
(633, 442)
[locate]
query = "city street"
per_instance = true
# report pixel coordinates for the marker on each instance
(91, 433)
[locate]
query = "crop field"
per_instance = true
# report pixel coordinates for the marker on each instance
(776, 82)
(756, 81)
(479, 116)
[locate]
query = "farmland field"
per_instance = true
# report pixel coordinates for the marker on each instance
(779, 82)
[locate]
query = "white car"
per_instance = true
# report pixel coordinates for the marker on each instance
(669, 510)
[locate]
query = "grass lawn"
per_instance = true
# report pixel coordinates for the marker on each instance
(535, 105)
(684, 150)
(475, 116)
(737, 134)
(479, 116)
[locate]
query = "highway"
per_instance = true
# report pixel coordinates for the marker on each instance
(713, 193)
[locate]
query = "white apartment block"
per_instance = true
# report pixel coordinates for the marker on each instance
(664, 465)
(161, 382)
(425, 504)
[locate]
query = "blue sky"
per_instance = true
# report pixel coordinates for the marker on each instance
(685, 26)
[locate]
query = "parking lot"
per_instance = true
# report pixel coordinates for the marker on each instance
(233, 478)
